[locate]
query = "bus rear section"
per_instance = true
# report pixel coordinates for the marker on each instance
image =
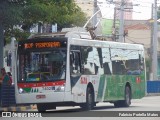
(115, 72)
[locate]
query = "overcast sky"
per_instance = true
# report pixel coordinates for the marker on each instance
(141, 12)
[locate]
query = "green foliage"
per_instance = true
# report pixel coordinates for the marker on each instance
(11, 14)
(28, 12)
(63, 12)
(17, 33)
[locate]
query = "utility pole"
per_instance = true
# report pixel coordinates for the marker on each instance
(114, 25)
(121, 29)
(95, 9)
(151, 44)
(155, 42)
(123, 7)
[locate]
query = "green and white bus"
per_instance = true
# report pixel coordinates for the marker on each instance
(71, 69)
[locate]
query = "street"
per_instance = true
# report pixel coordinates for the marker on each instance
(148, 104)
(147, 108)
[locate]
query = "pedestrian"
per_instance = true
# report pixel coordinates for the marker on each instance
(5, 77)
(5, 85)
(10, 78)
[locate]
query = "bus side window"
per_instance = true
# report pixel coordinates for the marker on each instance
(141, 62)
(75, 62)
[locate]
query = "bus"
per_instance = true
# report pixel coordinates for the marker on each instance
(71, 69)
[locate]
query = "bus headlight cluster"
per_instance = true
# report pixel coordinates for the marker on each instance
(20, 90)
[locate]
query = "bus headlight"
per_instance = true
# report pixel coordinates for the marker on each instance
(21, 90)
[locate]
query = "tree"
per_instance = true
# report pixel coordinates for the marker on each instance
(63, 12)
(10, 14)
(28, 12)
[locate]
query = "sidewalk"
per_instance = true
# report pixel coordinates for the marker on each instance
(17, 108)
(153, 94)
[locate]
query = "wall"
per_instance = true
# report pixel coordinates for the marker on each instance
(153, 86)
(140, 37)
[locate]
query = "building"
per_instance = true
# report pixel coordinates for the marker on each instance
(86, 6)
(136, 31)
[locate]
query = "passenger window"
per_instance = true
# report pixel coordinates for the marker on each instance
(75, 62)
(88, 60)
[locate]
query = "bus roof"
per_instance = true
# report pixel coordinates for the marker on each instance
(84, 39)
(100, 43)
(48, 35)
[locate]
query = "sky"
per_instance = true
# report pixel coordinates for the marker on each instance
(141, 12)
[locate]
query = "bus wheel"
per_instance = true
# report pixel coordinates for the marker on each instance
(117, 104)
(89, 99)
(127, 101)
(41, 107)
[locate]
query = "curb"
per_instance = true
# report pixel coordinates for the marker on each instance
(153, 94)
(16, 108)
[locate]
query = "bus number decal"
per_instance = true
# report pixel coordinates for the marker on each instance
(83, 80)
(49, 88)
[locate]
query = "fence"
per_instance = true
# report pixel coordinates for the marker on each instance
(153, 86)
(7, 96)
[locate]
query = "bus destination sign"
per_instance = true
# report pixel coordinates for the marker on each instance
(42, 45)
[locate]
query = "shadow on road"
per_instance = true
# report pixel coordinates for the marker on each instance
(98, 111)
(80, 109)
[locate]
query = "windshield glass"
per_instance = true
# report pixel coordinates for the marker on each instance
(42, 65)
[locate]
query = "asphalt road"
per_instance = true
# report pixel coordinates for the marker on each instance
(147, 108)
(148, 103)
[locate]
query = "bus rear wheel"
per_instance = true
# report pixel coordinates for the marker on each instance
(127, 99)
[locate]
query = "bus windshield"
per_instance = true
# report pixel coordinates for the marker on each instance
(46, 65)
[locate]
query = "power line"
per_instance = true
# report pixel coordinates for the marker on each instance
(142, 1)
(139, 38)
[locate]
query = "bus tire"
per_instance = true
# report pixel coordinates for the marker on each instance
(89, 99)
(127, 99)
(117, 104)
(41, 107)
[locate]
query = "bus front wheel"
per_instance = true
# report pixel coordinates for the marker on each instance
(41, 107)
(89, 100)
